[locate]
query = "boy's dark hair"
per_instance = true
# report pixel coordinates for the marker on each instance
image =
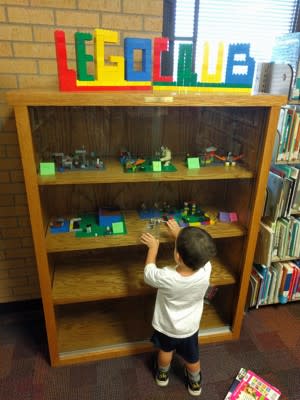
(195, 246)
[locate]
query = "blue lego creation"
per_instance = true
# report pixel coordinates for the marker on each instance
(145, 45)
(238, 55)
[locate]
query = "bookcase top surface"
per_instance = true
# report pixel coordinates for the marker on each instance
(53, 97)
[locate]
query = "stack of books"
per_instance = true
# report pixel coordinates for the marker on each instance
(278, 241)
(279, 283)
(283, 192)
(249, 386)
(275, 275)
(287, 145)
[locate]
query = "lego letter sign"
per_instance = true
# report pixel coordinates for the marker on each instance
(119, 73)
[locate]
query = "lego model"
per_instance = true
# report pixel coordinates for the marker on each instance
(109, 221)
(208, 156)
(130, 163)
(229, 159)
(190, 215)
(58, 225)
(79, 160)
(140, 164)
(166, 156)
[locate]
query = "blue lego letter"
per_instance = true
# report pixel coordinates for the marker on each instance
(131, 44)
(238, 58)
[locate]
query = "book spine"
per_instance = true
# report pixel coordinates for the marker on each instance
(285, 285)
(296, 285)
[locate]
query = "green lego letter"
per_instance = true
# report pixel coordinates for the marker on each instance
(82, 57)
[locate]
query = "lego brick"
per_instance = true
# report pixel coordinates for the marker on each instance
(47, 168)
(66, 76)
(160, 45)
(217, 76)
(108, 216)
(156, 166)
(112, 83)
(108, 73)
(185, 74)
(82, 58)
(145, 45)
(238, 56)
(110, 88)
(193, 163)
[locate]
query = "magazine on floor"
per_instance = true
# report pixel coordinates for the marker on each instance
(249, 386)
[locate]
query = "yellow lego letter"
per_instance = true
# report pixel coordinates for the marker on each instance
(217, 76)
(108, 74)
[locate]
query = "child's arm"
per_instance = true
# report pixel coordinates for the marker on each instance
(153, 245)
(173, 228)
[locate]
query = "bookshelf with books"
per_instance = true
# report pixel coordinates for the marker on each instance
(275, 277)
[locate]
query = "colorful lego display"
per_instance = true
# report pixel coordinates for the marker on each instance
(109, 221)
(119, 72)
(160, 163)
(190, 215)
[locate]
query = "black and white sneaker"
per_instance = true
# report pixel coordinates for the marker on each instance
(194, 388)
(161, 377)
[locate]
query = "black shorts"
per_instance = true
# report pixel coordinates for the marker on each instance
(187, 348)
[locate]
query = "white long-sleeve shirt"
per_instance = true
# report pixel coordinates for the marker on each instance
(179, 300)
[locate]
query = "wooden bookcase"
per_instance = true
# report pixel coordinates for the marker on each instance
(96, 304)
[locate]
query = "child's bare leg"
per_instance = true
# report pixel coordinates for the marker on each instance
(193, 367)
(164, 358)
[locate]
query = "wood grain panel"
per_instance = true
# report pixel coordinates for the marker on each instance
(54, 97)
(109, 278)
(82, 199)
(81, 327)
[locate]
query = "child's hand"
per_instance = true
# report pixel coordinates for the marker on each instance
(153, 244)
(173, 227)
(150, 241)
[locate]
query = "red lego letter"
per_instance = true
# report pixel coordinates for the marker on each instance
(66, 76)
(160, 45)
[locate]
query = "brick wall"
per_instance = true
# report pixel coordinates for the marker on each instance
(27, 59)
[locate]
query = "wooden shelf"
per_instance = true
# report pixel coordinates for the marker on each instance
(285, 258)
(113, 173)
(48, 97)
(112, 324)
(135, 226)
(107, 279)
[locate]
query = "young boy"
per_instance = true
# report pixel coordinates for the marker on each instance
(179, 300)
